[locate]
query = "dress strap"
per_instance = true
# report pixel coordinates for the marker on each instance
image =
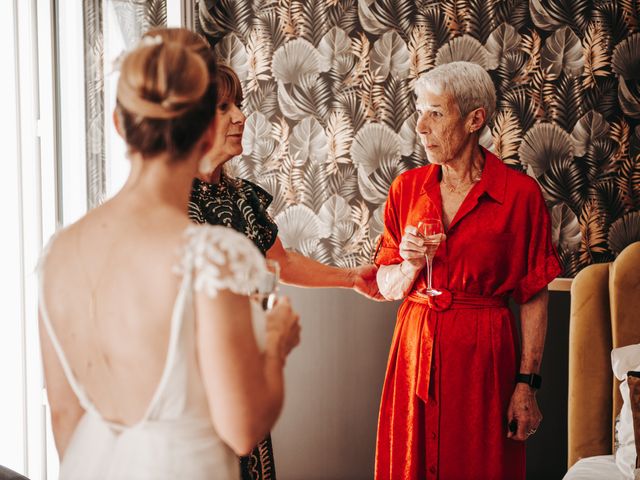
(78, 390)
(173, 351)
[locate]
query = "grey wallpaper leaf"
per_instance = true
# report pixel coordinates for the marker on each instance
(376, 224)
(541, 17)
(564, 182)
(390, 55)
(407, 134)
(464, 48)
(334, 45)
(481, 18)
(566, 228)
(296, 60)
(344, 14)
(233, 53)
(256, 128)
(334, 212)
(315, 189)
(287, 104)
(342, 233)
(374, 187)
(396, 106)
(626, 58)
(563, 52)
(368, 20)
(155, 13)
(339, 135)
(223, 16)
(590, 127)
(503, 40)
(333, 82)
(270, 22)
(629, 96)
(374, 144)
(263, 99)
(308, 141)
(608, 199)
(544, 144)
(312, 16)
(258, 59)
(299, 225)
(624, 231)
(345, 182)
(313, 96)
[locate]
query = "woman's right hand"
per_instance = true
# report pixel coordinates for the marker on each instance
(283, 329)
(412, 248)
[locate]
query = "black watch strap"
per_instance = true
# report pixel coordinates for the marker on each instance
(531, 379)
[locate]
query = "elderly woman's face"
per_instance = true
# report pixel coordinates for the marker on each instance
(441, 128)
(228, 130)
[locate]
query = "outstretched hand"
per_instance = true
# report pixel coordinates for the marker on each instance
(365, 283)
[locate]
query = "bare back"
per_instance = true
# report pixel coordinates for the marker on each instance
(110, 293)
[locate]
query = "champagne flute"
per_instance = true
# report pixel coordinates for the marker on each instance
(262, 299)
(265, 293)
(431, 231)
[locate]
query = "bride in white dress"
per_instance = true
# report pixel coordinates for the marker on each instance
(152, 368)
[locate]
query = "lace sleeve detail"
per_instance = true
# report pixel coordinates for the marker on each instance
(220, 259)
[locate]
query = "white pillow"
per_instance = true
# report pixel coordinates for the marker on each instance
(622, 360)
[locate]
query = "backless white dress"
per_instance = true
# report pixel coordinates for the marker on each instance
(175, 438)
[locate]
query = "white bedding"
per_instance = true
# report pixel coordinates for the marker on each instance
(602, 467)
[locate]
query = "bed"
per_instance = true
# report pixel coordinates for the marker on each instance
(605, 314)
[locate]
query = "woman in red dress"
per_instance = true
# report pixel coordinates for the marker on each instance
(452, 396)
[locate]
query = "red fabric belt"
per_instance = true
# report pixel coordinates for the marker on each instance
(456, 300)
(446, 301)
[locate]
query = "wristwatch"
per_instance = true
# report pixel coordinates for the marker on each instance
(531, 379)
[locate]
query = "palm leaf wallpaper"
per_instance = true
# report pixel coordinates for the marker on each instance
(132, 19)
(331, 113)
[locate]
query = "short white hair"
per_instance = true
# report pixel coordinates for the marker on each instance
(468, 83)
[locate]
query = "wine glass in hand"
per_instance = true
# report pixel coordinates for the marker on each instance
(264, 295)
(432, 232)
(266, 291)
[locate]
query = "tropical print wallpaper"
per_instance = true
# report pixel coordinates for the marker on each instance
(329, 97)
(104, 20)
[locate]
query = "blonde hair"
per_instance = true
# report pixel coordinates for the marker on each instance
(167, 92)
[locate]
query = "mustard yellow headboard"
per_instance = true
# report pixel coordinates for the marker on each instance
(605, 314)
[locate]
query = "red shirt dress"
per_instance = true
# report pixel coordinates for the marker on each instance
(453, 358)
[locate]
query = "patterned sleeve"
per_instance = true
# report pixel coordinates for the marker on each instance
(260, 200)
(542, 263)
(220, 259)
(387, 251)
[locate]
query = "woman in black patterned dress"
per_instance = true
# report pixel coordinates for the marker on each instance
(219, 199)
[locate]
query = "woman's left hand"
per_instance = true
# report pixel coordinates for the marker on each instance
(365, 283)
(524, 410)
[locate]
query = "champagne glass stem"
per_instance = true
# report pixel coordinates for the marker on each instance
(429, 271)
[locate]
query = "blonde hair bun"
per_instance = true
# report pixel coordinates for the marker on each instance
(161, 80)
(167, 92)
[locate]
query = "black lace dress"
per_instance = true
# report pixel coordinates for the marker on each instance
(241, 205)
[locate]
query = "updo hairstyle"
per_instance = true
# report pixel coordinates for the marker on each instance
(167, 92)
